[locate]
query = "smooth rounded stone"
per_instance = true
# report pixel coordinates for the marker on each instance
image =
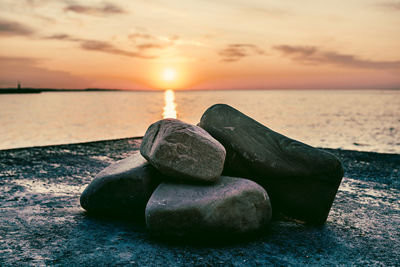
(183, 151)
(122, 189)
(229, 206)
(301, 180)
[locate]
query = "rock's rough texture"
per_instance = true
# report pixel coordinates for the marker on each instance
(121, 189)
(183, 151)
(231, 205)
(301, 180)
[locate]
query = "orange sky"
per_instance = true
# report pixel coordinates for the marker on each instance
(225, 44)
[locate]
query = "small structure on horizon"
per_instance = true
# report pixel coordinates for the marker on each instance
(19, 85)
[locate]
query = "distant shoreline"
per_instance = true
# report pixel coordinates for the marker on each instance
(40, 90)
(29, 90)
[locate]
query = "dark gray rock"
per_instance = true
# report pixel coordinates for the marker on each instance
(231, 205)
(122, 189)
(183, 151)
(301, 180)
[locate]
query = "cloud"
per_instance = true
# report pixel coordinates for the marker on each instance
(102, 46)
(105, 9)
(299, 50)
(62, 37)
(147, 41)
(144, 41)
(11, 28)
(136, 36)
(26, 70)
(390, 5)
(235, 52)
(150, 46)
(139, 49)
(109, 48)
(312, 55)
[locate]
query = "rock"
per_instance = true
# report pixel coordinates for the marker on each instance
(183, 151)
(231, 205)
(301, 180)
(122, 189)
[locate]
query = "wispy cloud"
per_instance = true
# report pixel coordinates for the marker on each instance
(235, 52)
(145, 37)
(390, 5)
(104, 9)
(62, 36)
(312, 55)
(150, 46)
(145, 41)
(111, 49)
(140, 36)
(12, 28)
(101, 46)
(142, 43)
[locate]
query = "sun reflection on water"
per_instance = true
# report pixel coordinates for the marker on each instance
(170, 105)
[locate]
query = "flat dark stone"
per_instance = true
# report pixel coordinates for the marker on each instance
(301, 180)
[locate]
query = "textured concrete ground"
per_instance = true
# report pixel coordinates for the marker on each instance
(42, 223)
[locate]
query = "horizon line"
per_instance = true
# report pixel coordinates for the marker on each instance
(204, 89)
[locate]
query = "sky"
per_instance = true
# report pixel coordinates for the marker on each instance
(208, 44)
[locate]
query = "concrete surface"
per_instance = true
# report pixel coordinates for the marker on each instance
(42, 223)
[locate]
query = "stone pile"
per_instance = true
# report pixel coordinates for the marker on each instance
(214, 177)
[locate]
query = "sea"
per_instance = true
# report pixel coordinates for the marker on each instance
(364, 120)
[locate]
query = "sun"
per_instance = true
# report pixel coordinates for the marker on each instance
(169, 74)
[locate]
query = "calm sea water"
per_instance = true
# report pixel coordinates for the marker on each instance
(359, 120)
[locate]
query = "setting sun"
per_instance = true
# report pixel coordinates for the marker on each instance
(169, 74)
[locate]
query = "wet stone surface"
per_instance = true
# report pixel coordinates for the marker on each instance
(42, 223)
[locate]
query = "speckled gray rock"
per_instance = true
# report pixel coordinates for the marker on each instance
(183, 151)
(122, 189)
(231, 205)
(301, 180)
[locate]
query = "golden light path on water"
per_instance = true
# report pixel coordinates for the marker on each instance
(170, 105)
